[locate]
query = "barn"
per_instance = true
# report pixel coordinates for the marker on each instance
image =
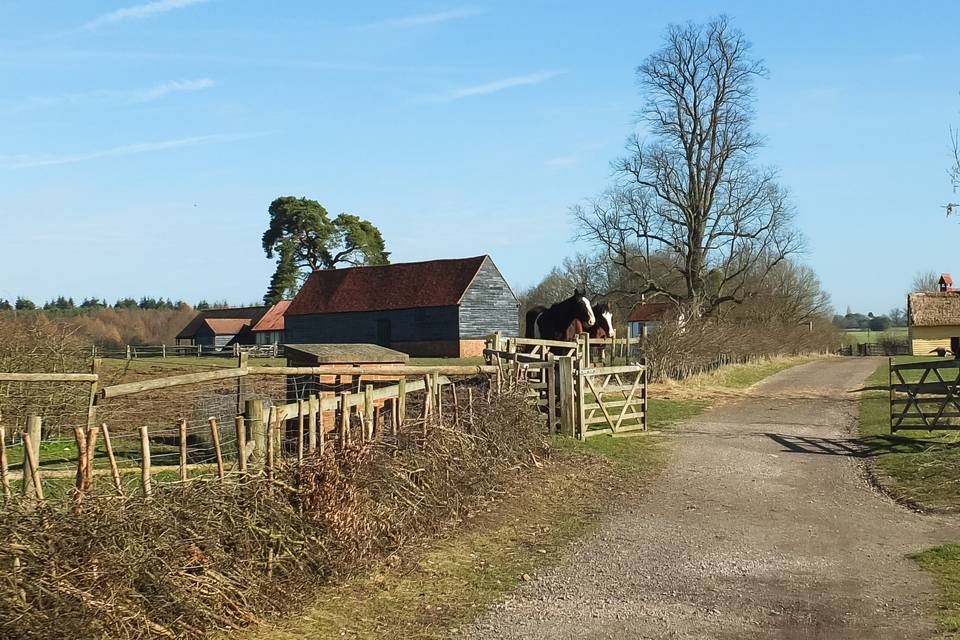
(269, 330)
(436, 308)
(218, 328)
(934, 318)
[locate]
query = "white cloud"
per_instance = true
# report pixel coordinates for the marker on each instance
(425, 19)
(496, 86)
(174, 86)
(562, 162)
(140, 11)
(29, 162)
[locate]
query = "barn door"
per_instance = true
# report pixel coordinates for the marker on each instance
(383, 332)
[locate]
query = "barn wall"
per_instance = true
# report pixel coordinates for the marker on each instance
(923, 340)
(488, 306)
(406, 325)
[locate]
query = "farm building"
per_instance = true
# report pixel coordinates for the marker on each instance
(434, 308)
(269, 329)
(645, 317)
(220, 328)
(934, 318)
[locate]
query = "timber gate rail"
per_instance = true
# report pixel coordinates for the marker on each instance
(579, 397)
(925, 395)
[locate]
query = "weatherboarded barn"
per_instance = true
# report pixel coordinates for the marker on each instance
(434, 308)
(220, 328)
(934, 319)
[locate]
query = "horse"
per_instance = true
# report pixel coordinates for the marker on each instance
(603, 327)
(562, 321)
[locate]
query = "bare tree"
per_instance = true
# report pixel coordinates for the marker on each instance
(690, 199)
(925, 281)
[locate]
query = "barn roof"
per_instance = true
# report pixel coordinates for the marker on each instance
(934, 309)
(253, 314)
(272, 320)
(227, 326)
(405, 285)
(647, 311)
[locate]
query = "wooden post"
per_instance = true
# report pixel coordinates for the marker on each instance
(344, 419)
(401, 401)
(549, 379)
(437, 389)
(114, 472)
(456, 404)
(81, 477)
(579, 399)
(314, 422)
(92, 400)
(427, 397)
(128, 352)
(646, 380)
(268, 460)
(368, 418)
(4, 471)
(241, 444)
(32, 466)
(242, 361)
(470, 409)
(512, 364)
(890, 389)
(163, 350)
(215, 438)
(182, 442)
(92, 434)
(565, 372)
(253, 412)
(497, 340)
(34, 431)
(145, 461)
(301, 417)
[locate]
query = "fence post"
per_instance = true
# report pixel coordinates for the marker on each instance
(253, 412)
(92, 400)
(579, 400)
(401, 401)
(182, 444)
(549, 378)
(145, 461)
(241, 444)
(34, 429)
(565, 371)
(128, 352)
(301, 424)
(314, 421)
(114, 472)
(344, 420)
(215, 438)
(368, 420)
(646, 381)
(4, 475)
(241, 382)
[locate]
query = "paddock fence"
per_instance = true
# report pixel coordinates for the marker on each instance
(138, 351)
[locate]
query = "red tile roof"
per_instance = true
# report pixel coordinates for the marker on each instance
(946, 278)
(407, 285)
(647, 311)
(248, 313)
(272, 320)
(227, 326)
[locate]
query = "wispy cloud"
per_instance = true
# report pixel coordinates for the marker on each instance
(424, 19)
(562, 162)
(29, 162)
(495, 87)
(111, 96)
(140, 11)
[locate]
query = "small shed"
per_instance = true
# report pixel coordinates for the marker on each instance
(219, 328)
(645, 317)
(933, 320)
(269, 330)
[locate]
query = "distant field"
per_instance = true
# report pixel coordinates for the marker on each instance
(858, 336)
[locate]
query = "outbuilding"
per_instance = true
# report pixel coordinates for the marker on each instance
(934, 320)
(219, 328)
(434, 308)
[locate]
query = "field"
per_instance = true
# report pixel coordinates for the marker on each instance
(922, 468)
(859, 336)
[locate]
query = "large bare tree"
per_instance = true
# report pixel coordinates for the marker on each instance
(691, 217)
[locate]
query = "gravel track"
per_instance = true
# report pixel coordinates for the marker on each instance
(762, 526)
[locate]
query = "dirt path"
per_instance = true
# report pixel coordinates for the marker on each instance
(762, 527)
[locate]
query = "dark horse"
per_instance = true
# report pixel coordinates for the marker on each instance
(562, 321)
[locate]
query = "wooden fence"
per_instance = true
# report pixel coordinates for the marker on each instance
(578, 398)
(137, 351)
(924, 395)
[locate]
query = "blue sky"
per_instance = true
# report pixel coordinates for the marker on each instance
(140, 144)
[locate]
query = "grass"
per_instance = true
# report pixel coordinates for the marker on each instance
(858, 336)
(922, 467)
(943, 563)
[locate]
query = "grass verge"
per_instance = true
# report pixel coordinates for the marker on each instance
(943, 563)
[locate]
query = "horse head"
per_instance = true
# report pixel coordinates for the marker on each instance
(604, 314)
(584, 310)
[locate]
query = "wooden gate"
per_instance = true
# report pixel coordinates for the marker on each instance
(925, 395)
(611, 400)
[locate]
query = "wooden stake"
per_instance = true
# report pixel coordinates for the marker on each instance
(182, 441)
(427, 397)
(92, 434)
(241, 445)
(344, 420)
(456, 405)
(215, 437)
(268, 462)
(114, 472)
(470, 408)
(314, 422)
(368, 417)
(34, 431)
(32, 466)
(4, 471)
(81, 478)
(438, 392)
(402, 402)
(394, 403)
(301, 426)
(145, 461)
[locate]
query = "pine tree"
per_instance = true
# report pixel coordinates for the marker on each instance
(285, 280)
